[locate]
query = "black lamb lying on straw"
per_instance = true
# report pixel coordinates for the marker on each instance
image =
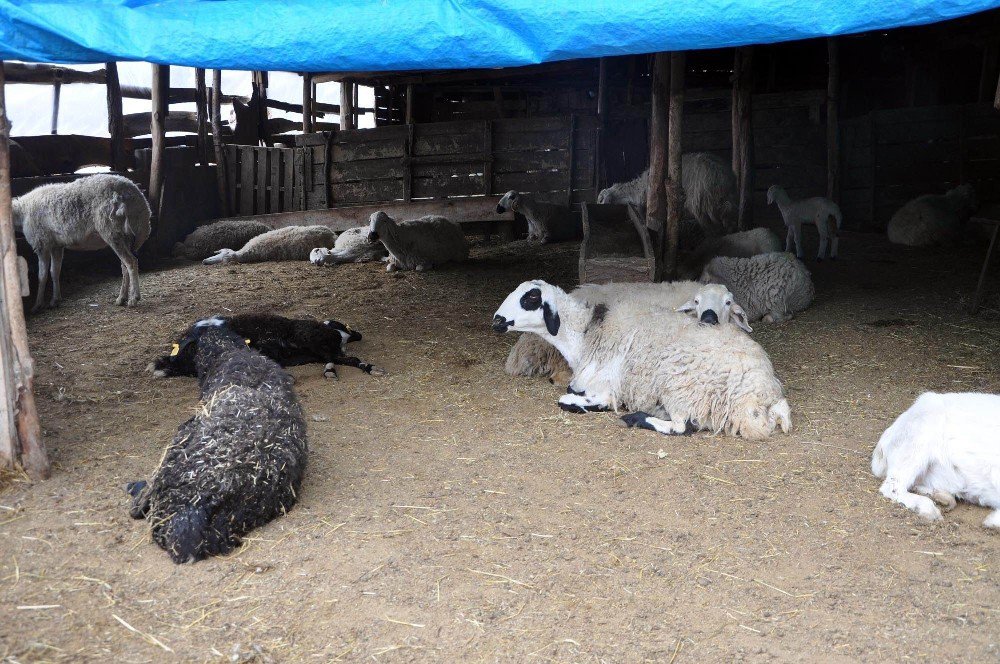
(235, 465)
(287, 341)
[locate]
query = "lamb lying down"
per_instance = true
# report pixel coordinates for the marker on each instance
(352, 246)
(292, 243)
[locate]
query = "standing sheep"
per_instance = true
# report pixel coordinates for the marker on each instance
(770, 286)
(292, 243)
(352, 246)
(819, 211)
(547, 222)
(234, 466)
(204, 241)
(91, 213)
(418, 244)
(931, 219)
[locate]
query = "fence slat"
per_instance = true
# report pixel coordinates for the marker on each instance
(247, 170)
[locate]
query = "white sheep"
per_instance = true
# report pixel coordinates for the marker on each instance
(771, 286)
(352, 246)
(677, 374)
(709, 192)
(931, 219)
(291, 243)
(745, 243)
(547, 222)
(819, 211)
(205, 241)
(94, 212)
(418, 244)
(945, 446)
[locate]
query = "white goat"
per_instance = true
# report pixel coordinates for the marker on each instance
(91, 213)
(547, 222)
(945, 446)
(822, 212)
(418, 244)
(931, 219)
(352, 246)
(291, 243)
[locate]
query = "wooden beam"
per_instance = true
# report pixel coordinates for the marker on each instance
(347, 105)
(675, 193)
(221, 167)
(116, 122)
(307, 100)
(408, 117)
(447, 76)
(602, 118)
(139, 124)
(201, 104)
(656, 199)
(260, 83)
(742, 127)
(832, 121)
(51, 74)
(157, 130)
(34, 458)
(56, 93)
(187, 95)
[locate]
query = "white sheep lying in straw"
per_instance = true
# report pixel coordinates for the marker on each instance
(418, 244)
(292, 243)
(547, 222)
(709, 192)
(821, 212)
(945, 446)
(745, 244)
(91, 213)
(677, 374)
(771, 286)
(205, 241)
(931, 219)
(352, 246)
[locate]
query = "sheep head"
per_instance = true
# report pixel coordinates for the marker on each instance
(377, 224)
(774, 192)
(531, 307)
(714, 304)
(509, 201)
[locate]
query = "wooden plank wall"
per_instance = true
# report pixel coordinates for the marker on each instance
(266, 180)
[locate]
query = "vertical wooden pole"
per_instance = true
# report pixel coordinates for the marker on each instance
(116, 123)
(656, 199)
(56, 91)
(314, 97)
(991, 54)
(307, 85)
(630, 85)
(602, 118)
(354, 105)
(675, 193)
(160, 90)
(571, 142)
(743, 134)
(832, 121)
(346, 105)
(221, 167)
(34, 459)
(201, 102)
(260, 80)
(408, 117)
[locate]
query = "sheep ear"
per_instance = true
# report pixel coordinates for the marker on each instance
(551, 319)
(687, 307)
(740, 319)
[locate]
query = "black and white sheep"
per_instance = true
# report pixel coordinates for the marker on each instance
(932, 219)
(547, 222)
(821, 212)
(292, 243)
(234, 466)
(94, 212)
(288, 341)
(352, 246)
(418, 244)
(771, 286)
(205, 241)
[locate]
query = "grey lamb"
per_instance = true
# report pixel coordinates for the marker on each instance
(292, 243)
(419, 244)
(205, 241)
(547, 222)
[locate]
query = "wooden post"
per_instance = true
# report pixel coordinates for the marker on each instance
(221, 167)
(307, 120)
(602, 118)
(315, 96)
(572, 160)
(675, 193)
(408, 117)
(160, 91)
(630, 85)
(656, 199)
(201, 102)
(354, 105)
(991, 53)
(260, 82)
(116, 123)
(346, 105)
(21, 397)
(56, 90)
(743, 134)
(832, 121)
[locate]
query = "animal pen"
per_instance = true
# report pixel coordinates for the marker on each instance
(871, 115)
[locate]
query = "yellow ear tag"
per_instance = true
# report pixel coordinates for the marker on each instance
(175, 348)
(246, 341)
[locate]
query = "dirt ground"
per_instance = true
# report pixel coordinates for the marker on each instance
(452, 513)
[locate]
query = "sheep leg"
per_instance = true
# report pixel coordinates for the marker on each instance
(896, 486)
(123, 290)
(821, 228)
(944, 499)
(834, 241)
(583, 403)
(130, 270)
(797, 233)
(667, 426)
(789, 239)
(43, 280)
(351, 361)
(55, 269)
(993, 520)
(140, 499)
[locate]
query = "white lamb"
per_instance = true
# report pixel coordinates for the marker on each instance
(677, 375)
(418, 244)
(291, 243)
(547, 222)
(771, 286)
(91, 213)
(352, 246)
(821, 212)
(709, 192)
(931, 219)
(207, 240)
(745, 243)
(945, 446)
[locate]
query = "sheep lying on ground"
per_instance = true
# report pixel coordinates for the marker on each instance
(677, 374)
(821, 212)
(234, 466)
(292, 243)
(288, 341)
(91, 213)
(418, 244)
(709, 192)
(352, 246)
(930, 219)
(945, 446)
(745, 243)
(204, 241)
(547, 222)
(771, 286)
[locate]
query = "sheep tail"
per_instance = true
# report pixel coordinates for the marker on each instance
(191, 535)
(880, 464)
(222, 256)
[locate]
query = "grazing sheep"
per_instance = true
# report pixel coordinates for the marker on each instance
(418, 244)
(352, 246)
(204, 241)
(945, 446)
(234, 466)
(709, 192)
(91, 213)
(287, 341)
(745, 243)
(677, 374)
(822, 212)
(771, 286)
(930, 219)
(292, 243)
(547, 222)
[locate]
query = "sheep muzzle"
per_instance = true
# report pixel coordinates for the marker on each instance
(373, 237)
(501, 324)
(709, 317)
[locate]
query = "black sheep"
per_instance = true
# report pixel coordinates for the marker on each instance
(287, 341)
(235, 465)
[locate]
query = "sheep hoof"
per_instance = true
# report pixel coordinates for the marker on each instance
(38, 307)
(375, 371)
(120, 301)
(572, 408)
(944, 499)
(570, 390)
(330, 372)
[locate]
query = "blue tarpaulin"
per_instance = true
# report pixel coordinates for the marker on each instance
(380, 35)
